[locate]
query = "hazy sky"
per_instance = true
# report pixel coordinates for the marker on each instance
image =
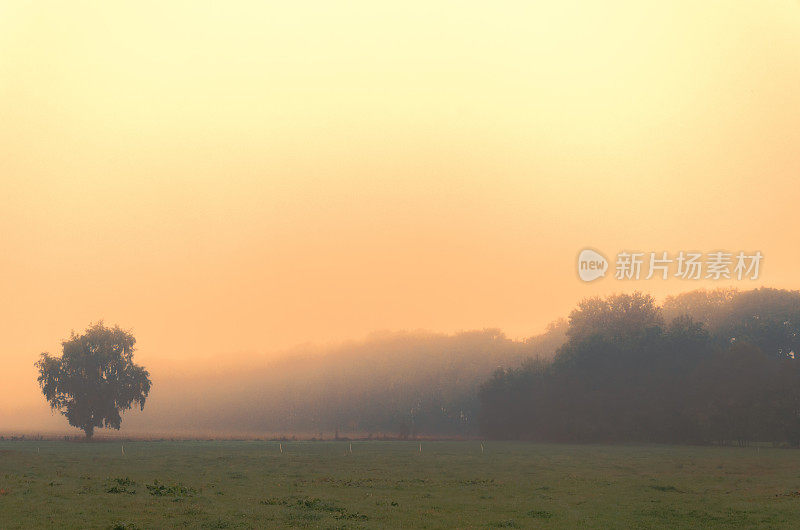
(232, 178)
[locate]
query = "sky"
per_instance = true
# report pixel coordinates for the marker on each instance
(231, 180)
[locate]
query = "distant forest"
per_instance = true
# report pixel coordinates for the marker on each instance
(703, 367)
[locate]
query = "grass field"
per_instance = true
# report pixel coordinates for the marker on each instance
(392, 485)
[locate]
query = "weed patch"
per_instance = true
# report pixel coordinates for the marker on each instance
(158, 489)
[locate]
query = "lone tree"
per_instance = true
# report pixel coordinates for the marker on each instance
(95, 378)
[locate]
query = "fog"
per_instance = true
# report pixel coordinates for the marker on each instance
(391, 384)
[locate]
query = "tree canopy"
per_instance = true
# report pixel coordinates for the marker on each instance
(95, 378)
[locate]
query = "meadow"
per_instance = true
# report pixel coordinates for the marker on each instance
(383, 484)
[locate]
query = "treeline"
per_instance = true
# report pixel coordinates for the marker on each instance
(401, 384)
(704, 367)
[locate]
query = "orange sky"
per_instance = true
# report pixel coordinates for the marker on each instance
(236, 178)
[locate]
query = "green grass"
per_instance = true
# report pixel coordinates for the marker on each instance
(392, 485)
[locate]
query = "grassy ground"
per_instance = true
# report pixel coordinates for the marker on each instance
(393, 485)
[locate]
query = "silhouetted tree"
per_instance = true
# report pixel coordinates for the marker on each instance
(615, 315)
(94, 379)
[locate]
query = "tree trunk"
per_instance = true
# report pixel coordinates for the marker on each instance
(89, 432)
